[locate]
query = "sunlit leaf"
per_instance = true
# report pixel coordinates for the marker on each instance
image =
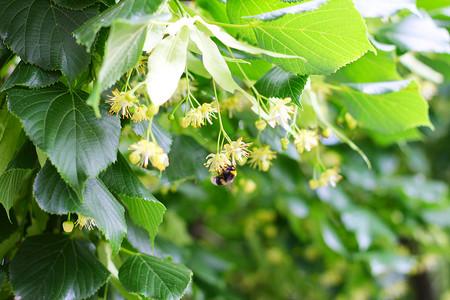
(328, 37)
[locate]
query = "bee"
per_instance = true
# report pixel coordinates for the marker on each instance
(226, 176)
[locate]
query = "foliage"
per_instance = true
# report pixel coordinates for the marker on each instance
(331, 112)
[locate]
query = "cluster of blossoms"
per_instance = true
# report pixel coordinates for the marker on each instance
(279, 112)
(326, 178)
(145, 151)
(305, 140)
(198, 116)
(261, 157)
(236, 151)
(126, 104)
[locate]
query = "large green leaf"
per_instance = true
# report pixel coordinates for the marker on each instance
(186, 159)
(11, 137)
(144, 209)
(74, 4)
(30, 76)
(41, 33)
(60, 123)
(56, 267)
(126, 10)
(154, 277)
(123, 49)
(416, 34)
(54, 196)
(387, 113)
(328, 37)
(278, 83)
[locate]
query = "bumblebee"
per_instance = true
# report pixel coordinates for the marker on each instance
(226, 176)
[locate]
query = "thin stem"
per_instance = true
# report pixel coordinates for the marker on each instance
(180, 8)
(129, 251)
(220, 116)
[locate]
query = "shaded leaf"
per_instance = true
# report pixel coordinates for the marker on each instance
(320, 36)
(369, 68)
(7, 224)
(154, 277)
(62, 268)
(144, 209)
(123, 49)
(387, 113)
(125, 10)
(60, 123)
(41, 34)
(186, 159)
(30, 76)
(11, 137)
(55, 196)
(278, 83)
(416, 34)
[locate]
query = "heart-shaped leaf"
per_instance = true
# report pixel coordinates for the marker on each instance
(60, 123)
(56, 267)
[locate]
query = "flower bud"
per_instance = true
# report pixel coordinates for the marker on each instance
(152, 110)
(284, 143)
(134, 157)
(260, 125)
(68, 226)
(326, 133)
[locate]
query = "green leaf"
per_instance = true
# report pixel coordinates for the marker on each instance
(54, 196)
(416, 34)
(125, 10)
(154, 277)
(11, 137)
(123, 49)
(409, 135)
(30, 76)
(328, 37)
(60, 123)
(369, 68)
(144, 209)
(384, 8)
(387, 113)
(7, 224)
(74, 4)
(166, 64)
(278, 83)
(186, 159)
(41, 34)
(56, 267)
(11, 181)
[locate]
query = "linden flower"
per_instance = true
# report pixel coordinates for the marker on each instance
(87, 222)
(216, 162)
(279, 113)
(232, 104)
(237, 150)
(208, 111)
(181, 91)
(145, 151)
(194, 117)
(140, 114)
(261, 157)
(121, 101)
(329, 177)
(305, 140)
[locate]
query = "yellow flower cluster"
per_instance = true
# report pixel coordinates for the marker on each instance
(126, 104)
(261, 157)
(305, 140)
(329, 177)
(198, 116)
(87, 222)
(145, 151)
(234, 151)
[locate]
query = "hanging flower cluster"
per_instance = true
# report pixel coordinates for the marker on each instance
(145, 152)
(328, 177)
(232, 152)
(198, 116)
(261, 157)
